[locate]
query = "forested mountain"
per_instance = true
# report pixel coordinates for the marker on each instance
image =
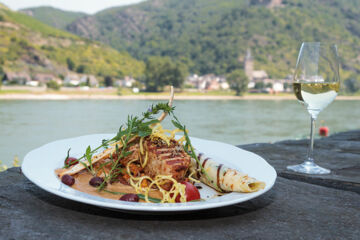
(53, 16)
(27, 45)
(212, 36)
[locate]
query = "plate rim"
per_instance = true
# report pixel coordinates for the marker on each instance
(68, 192)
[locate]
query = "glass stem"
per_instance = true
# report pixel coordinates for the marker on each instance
(311, 143)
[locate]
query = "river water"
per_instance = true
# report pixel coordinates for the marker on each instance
(25, 125)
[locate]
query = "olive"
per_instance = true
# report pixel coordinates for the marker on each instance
(130, 197)
(68, 180)
(70, 161)
(96, 181)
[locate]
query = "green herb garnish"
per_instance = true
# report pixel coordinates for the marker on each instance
(188, 146)
(134, 127)
(67, 156)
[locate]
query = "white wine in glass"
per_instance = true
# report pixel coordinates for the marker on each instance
(316, 84)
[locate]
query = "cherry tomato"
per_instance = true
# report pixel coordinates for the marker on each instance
(191, 193)
(324, 131)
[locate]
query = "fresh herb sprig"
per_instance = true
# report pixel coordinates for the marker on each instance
(188, 147)
(134, 127)
(137, 127)
(124, 153)
(105, 144)
(68, 164)
(160, 107)
(141, 127)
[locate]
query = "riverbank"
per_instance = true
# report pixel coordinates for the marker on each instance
(84, 96)
(66, 93)
(135, 97)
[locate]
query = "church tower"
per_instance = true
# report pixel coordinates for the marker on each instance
(248, 64)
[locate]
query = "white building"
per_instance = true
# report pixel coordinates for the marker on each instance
(127, 82)
(90, 80)
(259, 75)
(278, 86)
(72, 79)
(207, 82)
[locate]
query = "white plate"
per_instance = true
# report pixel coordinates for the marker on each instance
(39, 165)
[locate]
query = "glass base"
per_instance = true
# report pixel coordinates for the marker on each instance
(308, 168)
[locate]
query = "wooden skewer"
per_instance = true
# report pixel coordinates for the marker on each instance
(164, 114)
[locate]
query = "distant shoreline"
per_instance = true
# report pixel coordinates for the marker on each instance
(50, 96)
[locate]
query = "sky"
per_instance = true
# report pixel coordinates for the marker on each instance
(88, 6)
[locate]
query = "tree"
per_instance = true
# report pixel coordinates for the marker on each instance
(269, 85)
(70, 64)
(259, 85)
(286, 86)
(162, 71)
(1, 75)
(80, 69)
(53, 85)
(238, 81)
(352, 84)
(108, 81)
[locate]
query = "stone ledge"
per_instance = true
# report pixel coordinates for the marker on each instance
(291, 208)
(339, 152)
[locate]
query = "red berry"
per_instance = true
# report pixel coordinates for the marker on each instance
(68, 180)
(70, 161)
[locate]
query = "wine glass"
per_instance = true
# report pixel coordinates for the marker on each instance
(316, 83)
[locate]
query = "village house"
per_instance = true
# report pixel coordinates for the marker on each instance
(212, 85)
(75, 80)
(33, 80)
(72, 80)
(281, 85)
(89, 80)
(20, 78)
(191, 80)
(127, 82)
(259, 75)
(225, 85)
(43, 78)
(278, 86)
(261, 78)
(207, 82)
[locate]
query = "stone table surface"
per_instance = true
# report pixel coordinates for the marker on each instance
(297, 207)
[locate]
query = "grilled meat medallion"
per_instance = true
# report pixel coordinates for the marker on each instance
(163, 159)
(166, 159)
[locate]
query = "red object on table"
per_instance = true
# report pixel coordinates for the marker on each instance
(324, 131)
(191, 192)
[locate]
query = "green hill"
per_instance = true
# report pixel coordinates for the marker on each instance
(27, 45)
(212, 36)
(52, 16)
